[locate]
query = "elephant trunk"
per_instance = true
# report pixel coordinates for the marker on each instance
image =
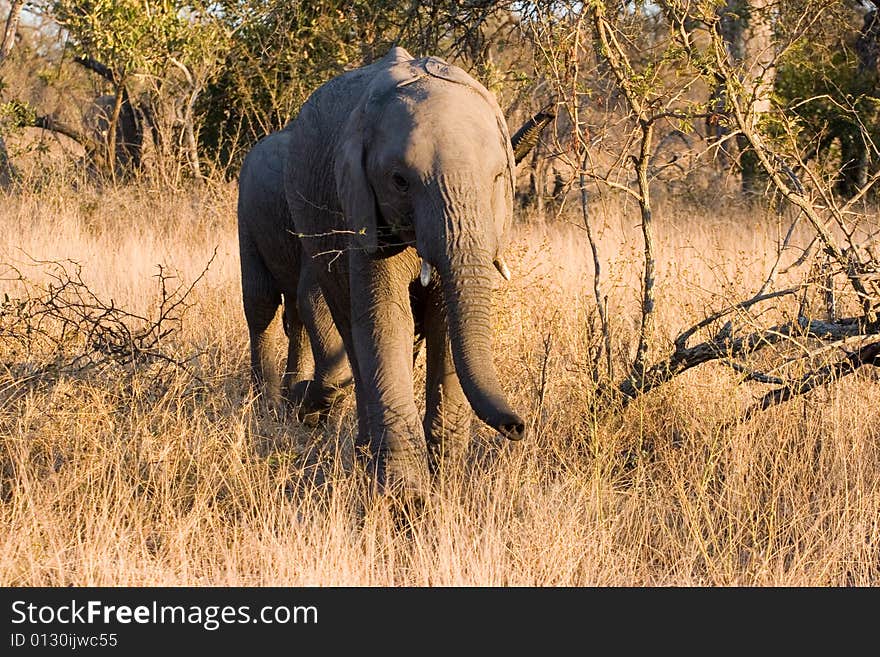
(466, 284)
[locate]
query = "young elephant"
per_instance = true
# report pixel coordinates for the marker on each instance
(274, 271)
(405, 203)
(398, 180)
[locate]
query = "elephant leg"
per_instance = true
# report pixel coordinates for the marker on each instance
(334, 288)
(382, 333)
(447, 413)
(261, 300)
(331, 374)
(299, 362)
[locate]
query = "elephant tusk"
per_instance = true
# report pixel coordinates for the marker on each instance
(502, 267)
(425, 276)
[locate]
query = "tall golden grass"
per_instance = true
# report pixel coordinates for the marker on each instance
(173, 480)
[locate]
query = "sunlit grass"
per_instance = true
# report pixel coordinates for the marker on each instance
(184, 480)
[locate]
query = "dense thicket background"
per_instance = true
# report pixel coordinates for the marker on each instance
(190, 86)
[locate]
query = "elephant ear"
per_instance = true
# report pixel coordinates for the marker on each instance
(352, 187)
(504, 188)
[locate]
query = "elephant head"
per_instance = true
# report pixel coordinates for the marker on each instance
(425, 160)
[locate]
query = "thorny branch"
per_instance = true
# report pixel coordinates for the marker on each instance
(64, 329)
(785, 181)
(742, 334)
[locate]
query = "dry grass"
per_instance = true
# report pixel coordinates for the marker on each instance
(113, 478)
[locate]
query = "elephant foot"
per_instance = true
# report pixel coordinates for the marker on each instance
(446, 455)
(407, 514)
(447, 436)
(401, 479)
(311, 402)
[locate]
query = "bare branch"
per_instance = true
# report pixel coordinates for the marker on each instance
(684, 336)
(96, 67)
(725, 346)
(864, 355)
(781, 178)
(66, 329)
(53, 125)
(752, 375)
(597, 275)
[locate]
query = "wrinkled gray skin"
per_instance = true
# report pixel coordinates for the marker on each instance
(388, 164)
(273, 269)
(270, 266)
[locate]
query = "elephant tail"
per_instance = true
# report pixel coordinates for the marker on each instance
(525, 139)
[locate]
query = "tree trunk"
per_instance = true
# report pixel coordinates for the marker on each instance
(189, 133)
(11, 28)
(192, 147)
(111, 129)
(7, 171)
(855, 156)
(746, 26)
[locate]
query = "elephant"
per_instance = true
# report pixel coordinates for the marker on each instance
(128, 156)
(398, 182)
(274, 272)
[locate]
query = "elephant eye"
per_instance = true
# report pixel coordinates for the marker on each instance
(399, 182)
